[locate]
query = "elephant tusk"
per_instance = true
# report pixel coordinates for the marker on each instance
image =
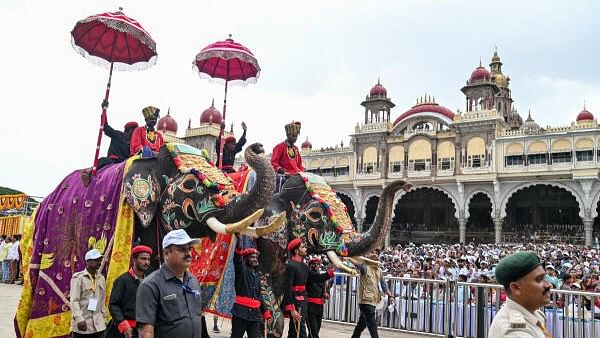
(215, 225)
(233, 228)
(262, 231)
(337, 262)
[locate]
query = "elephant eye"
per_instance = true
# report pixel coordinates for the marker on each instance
(314, 214)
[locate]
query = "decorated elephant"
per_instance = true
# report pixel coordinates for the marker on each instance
(315, 214)
(179, 189)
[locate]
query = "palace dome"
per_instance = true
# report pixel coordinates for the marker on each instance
(378, 90)
(167, 123)
(585, 115)
(306, 144)
(211, 115)
(480, 73)
(529, 126)
(427, 108)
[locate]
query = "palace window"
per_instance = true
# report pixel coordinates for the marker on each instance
(584, 155)
(327, 172)
(537, 158)
(396, 166)
(369, 168)
(419, 165)
(445, 163)
(514, 160)
(475, 161)
(563, 157)
(342, 171)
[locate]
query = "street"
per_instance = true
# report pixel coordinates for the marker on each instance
(10, 293)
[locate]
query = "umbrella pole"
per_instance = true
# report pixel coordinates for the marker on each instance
(103, 120)
(221, 144)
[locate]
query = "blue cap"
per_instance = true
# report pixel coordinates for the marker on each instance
(178, 237)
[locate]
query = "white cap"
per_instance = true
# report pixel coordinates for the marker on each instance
(550, 266)
(92, 254)
(178, 237)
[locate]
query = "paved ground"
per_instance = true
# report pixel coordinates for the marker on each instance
(9, 299)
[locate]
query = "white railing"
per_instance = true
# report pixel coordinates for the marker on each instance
(442, 308)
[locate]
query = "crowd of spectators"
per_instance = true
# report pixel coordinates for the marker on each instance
(477, 262)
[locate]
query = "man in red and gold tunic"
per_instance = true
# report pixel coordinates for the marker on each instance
(146, 140)
(286, 159)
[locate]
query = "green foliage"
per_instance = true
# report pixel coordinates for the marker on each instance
(9, 191)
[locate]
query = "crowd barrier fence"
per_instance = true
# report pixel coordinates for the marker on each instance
(455, 309)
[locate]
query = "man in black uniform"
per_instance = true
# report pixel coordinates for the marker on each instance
(168, 300)
(249, 308)
(294, 289)
(315, 292)
(230, 149)
(122, 297)
(118, 151)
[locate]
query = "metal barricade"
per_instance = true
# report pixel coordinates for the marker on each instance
(456, 309)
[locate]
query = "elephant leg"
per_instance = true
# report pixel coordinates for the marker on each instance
(150, 236)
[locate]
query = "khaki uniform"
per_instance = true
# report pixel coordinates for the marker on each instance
(368, 288)
(84, 288)
(513, 320)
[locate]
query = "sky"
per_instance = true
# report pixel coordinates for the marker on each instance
(318, 58)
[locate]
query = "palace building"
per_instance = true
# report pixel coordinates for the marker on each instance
(483, 174)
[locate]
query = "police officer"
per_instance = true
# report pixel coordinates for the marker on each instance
(315, 292)
(168, 300)
(522, 276)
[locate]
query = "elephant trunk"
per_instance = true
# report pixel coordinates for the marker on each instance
(260, 195)
(383, 220)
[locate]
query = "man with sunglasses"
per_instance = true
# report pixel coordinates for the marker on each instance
(168, 300)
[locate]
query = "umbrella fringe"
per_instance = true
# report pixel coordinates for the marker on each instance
(120, 66)
(242, 83)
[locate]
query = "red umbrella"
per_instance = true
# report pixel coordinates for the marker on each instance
(230, 62)
(113, 40)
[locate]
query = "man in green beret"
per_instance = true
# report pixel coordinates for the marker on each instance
(523, 278)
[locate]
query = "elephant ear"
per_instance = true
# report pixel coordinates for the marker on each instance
(142, 193)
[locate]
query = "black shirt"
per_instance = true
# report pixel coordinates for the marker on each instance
(247, 284)
(122, 298)
(119, 146)
(229, 156)
(172, 306)
(296, 274)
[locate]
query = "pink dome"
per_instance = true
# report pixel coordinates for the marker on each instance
(306, 144)
(480, 73)
(585, 115)
(426, 108)
(211, 115)
(378, 90)
(167, 123)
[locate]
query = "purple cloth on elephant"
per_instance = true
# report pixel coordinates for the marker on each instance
(70, 221)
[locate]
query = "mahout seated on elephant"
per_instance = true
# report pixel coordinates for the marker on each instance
(319, 218)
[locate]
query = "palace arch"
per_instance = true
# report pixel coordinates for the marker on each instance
(370, 210)
(541, 212)
(349, 203)
(424, 215)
